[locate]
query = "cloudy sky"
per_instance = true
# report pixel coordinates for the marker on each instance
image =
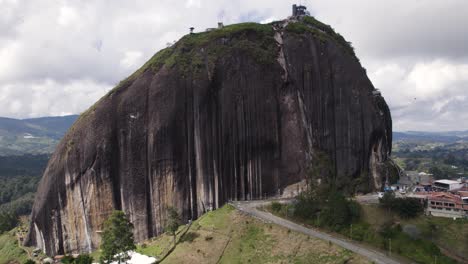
(58, 57)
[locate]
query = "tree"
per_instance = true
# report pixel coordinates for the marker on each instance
(117, 238)
(437, 172)
(388, 200)
(405, 207)
(8, 221)
(450, 159)
(409, 207)
(338, 212)
(173, 222)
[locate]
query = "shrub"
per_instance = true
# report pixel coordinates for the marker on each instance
(306, 206)
(67, 259)
(354, 210)
(405, 207)
(331, 209)
(337, 213)
(360, 231)
(389, 230)
(84, 259)
(409, 207)
(276, 207)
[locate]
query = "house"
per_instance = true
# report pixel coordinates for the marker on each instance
(422, 188)
(447, 185)
(447, 205)
(404, 181)
(416, 177)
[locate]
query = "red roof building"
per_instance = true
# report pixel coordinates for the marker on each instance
(447, 205)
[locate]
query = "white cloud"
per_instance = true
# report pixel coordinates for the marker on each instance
(426, 95)
(67, 16)
(439, 77)
(49, 97)
(131, 59)
(268, 20)
(193, 3)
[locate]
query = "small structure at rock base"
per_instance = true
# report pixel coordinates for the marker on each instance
(191, 30)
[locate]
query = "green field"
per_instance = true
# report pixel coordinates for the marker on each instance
(421, 239)
(10, 252)
(451, 236)
(228, 236)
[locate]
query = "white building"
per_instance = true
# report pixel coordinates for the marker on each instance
(447, 185)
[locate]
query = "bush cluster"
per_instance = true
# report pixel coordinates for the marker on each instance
(326, 208)
(81, 259)
(404, 207)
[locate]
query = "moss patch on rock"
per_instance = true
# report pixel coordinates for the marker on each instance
(322, 31)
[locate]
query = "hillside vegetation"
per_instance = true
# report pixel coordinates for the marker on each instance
(32, 136)
(19, 176)
(451, 236)
(10, 252)
(444, 154)
(419, 239)
(228, 236)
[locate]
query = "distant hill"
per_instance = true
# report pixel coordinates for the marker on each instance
(32, 136)
(444, 154)
(435, 137)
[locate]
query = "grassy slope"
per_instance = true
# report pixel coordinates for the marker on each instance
(227, 236)
(10, 252)
(419, 248)
(446, 233)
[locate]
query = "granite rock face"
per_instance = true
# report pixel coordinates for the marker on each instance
(236, 113)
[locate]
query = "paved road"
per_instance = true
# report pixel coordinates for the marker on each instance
(250, 207)
(368, 198)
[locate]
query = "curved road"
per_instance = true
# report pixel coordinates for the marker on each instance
(250, 207)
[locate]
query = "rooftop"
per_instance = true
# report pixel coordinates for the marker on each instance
(447, 182)
(448, 197)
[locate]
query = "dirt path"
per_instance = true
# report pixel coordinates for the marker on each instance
(250, 207)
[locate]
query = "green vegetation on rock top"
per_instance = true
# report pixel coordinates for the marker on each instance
(188, 43)
(321, 31)
(197, 51)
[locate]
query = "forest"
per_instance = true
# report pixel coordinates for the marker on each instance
(19, 176)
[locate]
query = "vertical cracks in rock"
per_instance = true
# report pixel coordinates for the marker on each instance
(281, 57)
(149, 178)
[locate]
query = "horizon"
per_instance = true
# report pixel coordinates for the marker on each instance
(394, 131)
